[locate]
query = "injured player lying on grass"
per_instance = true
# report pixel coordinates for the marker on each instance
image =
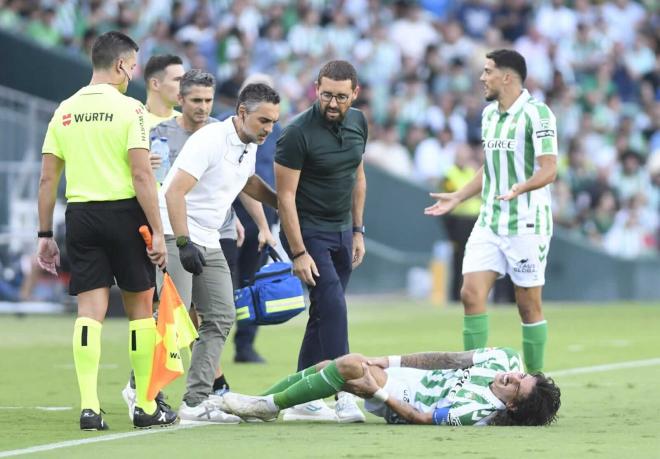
(479, 387)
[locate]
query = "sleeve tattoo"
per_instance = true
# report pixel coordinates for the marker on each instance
(438, 360)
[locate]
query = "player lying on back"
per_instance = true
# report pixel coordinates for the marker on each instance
(478, 387)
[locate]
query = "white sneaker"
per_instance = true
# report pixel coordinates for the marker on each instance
(129, 395)
(315, 410)
(204, 413)
(251, 408)
(219, 401)
(347, 410)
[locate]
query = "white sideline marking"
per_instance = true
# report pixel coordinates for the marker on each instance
(606, 367)
(42, 408)
(111, 437)
(120, 436)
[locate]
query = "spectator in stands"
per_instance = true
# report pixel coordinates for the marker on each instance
(40, 28)
(434, 156)
(475, 17)
(597, 65)
(601, 218)
(629, 178)
(385, 152)
(556, 21)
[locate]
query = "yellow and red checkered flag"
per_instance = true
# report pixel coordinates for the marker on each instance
(175, 331)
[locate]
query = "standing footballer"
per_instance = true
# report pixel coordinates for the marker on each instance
(513, 231)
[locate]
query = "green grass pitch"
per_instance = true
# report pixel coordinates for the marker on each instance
(614, 412)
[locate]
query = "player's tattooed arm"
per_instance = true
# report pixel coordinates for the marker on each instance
(438, 360)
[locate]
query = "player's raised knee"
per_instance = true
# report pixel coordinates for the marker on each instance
(350, 365)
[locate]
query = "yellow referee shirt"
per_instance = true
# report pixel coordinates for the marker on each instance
(92, 132)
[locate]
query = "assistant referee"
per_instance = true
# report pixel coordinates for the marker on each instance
(98, 137)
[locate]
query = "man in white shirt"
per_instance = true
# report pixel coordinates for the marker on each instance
(216, 163)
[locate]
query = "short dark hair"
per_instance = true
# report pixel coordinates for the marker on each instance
(256, 93)
(338, 71)
(158, 63)
(109, 47)
(195, 77)
(510, 59)
(539, 408)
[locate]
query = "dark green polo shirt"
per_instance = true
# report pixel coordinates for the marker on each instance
(327, 156)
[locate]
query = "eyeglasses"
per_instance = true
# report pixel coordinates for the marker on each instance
(340, 98)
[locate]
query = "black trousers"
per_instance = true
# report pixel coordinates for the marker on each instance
(326, 334)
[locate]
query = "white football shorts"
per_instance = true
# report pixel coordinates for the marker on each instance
(522, 257)
(402, 384)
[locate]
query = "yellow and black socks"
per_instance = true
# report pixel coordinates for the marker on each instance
(290, 380)
(141, 345)
(316, 386)
(86, 357)
(534, 338)
(475, 331)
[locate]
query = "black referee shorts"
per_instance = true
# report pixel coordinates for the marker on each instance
(104, 244)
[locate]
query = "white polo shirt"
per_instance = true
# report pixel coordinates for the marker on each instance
(221, 163)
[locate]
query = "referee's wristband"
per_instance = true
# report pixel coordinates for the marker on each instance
(394, 361)
(381, 395)
(299, 254)
(48, 233)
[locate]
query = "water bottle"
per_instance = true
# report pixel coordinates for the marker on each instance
(160, 147)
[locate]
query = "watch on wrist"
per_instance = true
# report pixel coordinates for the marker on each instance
(46, 234)
(358, 229)
(182, 241)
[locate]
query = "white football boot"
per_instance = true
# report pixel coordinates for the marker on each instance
(347, 410)
(204, 413)
(251, 409)
(316, 410)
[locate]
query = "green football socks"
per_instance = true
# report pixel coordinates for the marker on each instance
(534, 338)
(141, 345)
(316, 386)
(475, 331)
(86, 356)
(290, 380)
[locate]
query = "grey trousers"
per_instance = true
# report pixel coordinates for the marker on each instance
(213, 296)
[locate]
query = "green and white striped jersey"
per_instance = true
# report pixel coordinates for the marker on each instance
(464, 395)
(512, 141)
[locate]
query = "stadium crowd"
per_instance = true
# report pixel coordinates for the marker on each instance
(595, 63)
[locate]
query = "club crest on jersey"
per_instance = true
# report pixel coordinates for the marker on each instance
(500, 144)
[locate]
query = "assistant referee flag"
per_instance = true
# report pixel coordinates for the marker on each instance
(174, 329)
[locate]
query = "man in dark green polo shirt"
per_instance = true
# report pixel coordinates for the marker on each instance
(321, 189)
